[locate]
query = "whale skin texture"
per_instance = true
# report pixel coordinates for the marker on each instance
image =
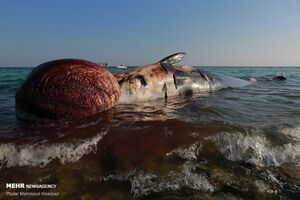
(67, 88)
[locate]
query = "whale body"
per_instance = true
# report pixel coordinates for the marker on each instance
(72, 88)
(164, 78)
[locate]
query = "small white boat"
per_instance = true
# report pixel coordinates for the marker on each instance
(121, 66)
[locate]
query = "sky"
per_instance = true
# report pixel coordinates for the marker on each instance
(138, 32)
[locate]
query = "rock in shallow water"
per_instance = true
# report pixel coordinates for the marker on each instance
(279, 78)
(67, 88)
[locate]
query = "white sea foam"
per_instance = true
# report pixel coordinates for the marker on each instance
(263, 187)
(293, 133)
(253, 80)
(41, 154)
(189, 153)
(143, 183)
(256, 149)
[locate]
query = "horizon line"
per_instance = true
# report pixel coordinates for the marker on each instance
(185, 65)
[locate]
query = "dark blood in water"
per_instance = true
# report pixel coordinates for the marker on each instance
(67, 88)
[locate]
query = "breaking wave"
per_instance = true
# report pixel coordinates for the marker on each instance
(143, 183)
(189, 153)
(41, 154)
(251, 148)
(257, 149)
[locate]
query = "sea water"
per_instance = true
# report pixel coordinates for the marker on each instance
(234, 143)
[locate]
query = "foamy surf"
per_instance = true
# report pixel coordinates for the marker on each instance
(189, 153)
(143, 183)
(252, 148)
(257, 149)
(253, 80)
(40, 155)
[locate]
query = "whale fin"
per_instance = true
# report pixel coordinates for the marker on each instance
(172, 59)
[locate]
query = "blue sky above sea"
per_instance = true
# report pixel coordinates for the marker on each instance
(212, 32)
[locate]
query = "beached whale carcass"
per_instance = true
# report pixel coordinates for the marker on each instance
(72, 88)
(164, 79)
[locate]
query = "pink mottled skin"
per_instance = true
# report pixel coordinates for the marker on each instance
(67, 88)
(152, 82)
(145, 83)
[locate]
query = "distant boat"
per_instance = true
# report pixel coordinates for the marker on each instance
(121, 66)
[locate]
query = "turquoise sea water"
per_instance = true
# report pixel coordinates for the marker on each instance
(232, 143)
